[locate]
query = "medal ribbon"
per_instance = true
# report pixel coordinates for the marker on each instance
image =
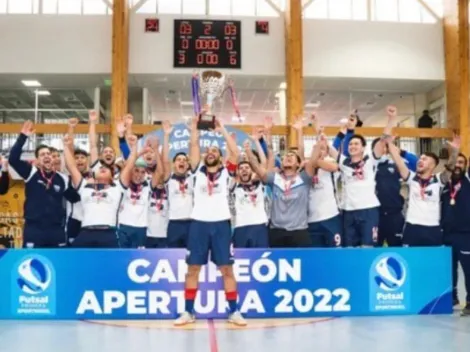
(47, 179)
(211, 178)
(287, 185)
(135, 194)
(97, 192)
(423, 184)
(359, 170)
(454, 190)
(159, 200)
(250, 190)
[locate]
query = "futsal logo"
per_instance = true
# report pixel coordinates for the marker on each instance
(389, 283)
(33, 286)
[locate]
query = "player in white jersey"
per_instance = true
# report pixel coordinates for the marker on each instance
(422, 226)
(108, 154)
(101, 199)
(324, 219)
(210, 231)
(134, 215)
(359, 200)
(250, 210)
(179, 190)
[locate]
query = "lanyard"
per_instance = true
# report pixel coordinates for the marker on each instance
(454, 191)
(211, 178)
(287, 184)
(359, 170)
(135, 194)
(423, 184)
(98, 193)
(47, 179)
(159, 199)
(250, 189)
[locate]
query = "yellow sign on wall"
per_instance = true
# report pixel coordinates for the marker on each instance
(11, 216)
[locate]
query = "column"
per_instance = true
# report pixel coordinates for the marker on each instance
(456, 42)
(120, 66)
(294, 58)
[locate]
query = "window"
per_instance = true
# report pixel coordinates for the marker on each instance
(194, 7)
(339, 9)
(20, 6)
(150, 6)
(93, 7)
(409, 11)
(264, 9)
(426, 17)
(219, 7)
(243, 7)
(437, 6)
(359, 10)
(49, 6)
(318, 9)
(70, 7)
(386, 10)
(169, 6)
(3, 6)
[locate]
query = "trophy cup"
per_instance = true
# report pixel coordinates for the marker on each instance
(211, 86)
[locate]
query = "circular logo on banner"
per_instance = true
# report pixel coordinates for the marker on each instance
(391, 273)
(180, 135)
(34, 276)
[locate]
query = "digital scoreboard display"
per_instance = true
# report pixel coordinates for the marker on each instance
(207, 44)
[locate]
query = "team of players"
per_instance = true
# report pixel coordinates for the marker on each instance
(151, 203)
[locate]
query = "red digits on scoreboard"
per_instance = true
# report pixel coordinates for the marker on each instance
(185, 28)
(184, 44)
(200, 59)
(230, 29)
(207, 44)
(207, 29)
(181, 59)
(229, 44)
(212, 59)
(233, 60)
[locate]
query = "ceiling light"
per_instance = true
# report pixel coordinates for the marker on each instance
(283, 85)
(238, 119)
(313, 105)
(30, 83)
(186, 103)
(43, 92)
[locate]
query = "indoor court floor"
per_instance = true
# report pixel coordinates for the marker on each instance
(445, 333)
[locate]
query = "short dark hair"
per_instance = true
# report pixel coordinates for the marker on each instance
(243, 162)
(462, 155)
(299, 159)
(80, 152)
(256, 154)
(53, 150)
(178, 154)
(39, 148)
(361, 138)
(432, 156)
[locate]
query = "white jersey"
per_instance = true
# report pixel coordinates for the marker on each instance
(180, 196)
(322, 204)
(135, 204)
(158, 213)
(249, 204)
(358, 181)
(100, 204)
(424, 206)
(75, 210)
(211, 198)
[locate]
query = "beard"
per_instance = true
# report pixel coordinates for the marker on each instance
(457, 174)
(245, 178)
(211, 163)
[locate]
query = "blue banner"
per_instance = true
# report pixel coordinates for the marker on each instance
(180, 135)
(149, 284)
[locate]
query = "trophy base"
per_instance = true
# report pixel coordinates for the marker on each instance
(206, 122)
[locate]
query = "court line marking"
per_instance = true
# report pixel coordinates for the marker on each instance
(212, 336)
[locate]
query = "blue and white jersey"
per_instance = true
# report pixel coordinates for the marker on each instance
(101, 204)
(358, 181)
(158, 213)
(322, 197)
(180, 196)
(249, 204)
(424, 200)
(134, 210)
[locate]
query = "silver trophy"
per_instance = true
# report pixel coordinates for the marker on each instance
(212, 86)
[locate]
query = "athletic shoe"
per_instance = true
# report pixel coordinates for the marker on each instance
(466, 311)
(455, 303)
(236, 318)
(184, 319)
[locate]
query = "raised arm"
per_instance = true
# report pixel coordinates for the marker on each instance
(271, 158)
(194, 148)
(126, 172)
(399, 162)
(75, 174)
(93, 119)
(167, 128)
(379, 146)
(23, 168)
(4, 177)
(121, 131)
(298, 125)
(232, 148)
(312, 162)
(255, 165)
(158, 176)
(454, 148)
(257, 136)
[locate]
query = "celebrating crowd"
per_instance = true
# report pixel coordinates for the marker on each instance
(209, 202)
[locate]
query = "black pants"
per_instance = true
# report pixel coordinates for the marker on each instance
(96, 238)
(461, 247)
(281, 238)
